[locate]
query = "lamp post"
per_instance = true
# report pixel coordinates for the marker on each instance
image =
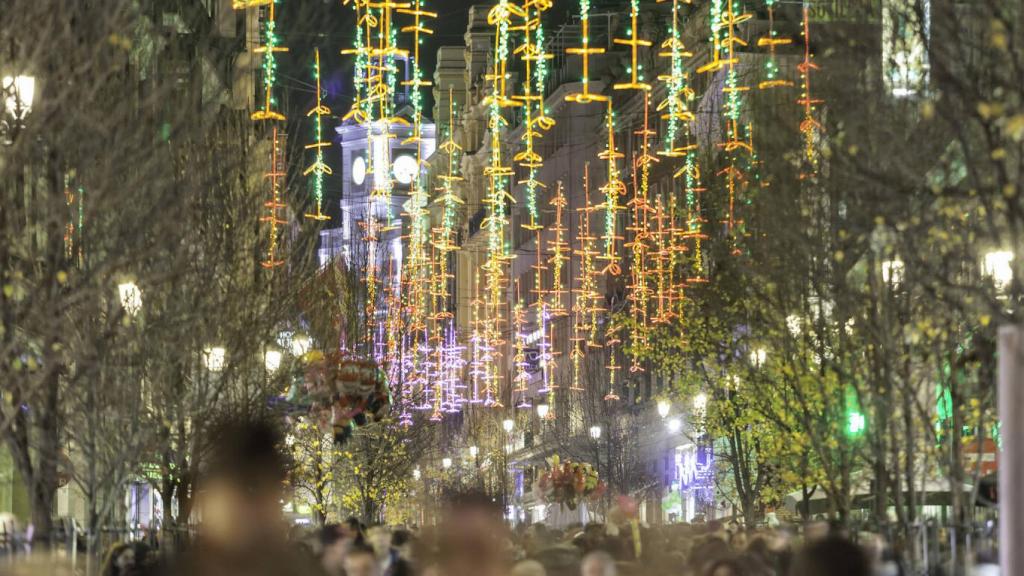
(214, 357)
(997, 266)
(543, 410)
(301, 344)
(664, 406)
(272, 360)
(131, 297)
(758, 356)
(18, 93)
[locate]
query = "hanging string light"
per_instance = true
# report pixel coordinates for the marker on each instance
(559, 249)
(585, 96)
(635, 71)
(269, 49)
(724, 22)
(499, 176)
(772, 40)
(535, 121)
(675, 107)
(810, 127)
(318, 168)
(274, 205)
(613, 190)
(640, 291)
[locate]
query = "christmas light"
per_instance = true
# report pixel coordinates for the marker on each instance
(675, 106)
(810, 128)
(639, 293)
(559, 250)
(498, 175)
(634, 42)
(772, 41)
(269, 49)
(274, 205)
(585, 52)
(535, 121)
(613, 189)
(318, 168)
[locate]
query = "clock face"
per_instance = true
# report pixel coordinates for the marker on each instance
(358, 170)
(404, 169)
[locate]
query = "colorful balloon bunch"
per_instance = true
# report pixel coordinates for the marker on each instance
(345, 392)
(568, 483)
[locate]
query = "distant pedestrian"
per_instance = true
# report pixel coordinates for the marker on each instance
(831, 556)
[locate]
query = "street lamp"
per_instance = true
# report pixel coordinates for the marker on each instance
(700, 402)
(213, 357)
(272, 360)
(18, 92)
(595, 432)
(892, 272)
(663, 407)
(416, 474)
(131, 297)
(301, 345)
(996, 265)
(473, 451)
(794, 324)
(675, 425)
(543, 410)
(446, 463)
(508, 424)
(758, 356)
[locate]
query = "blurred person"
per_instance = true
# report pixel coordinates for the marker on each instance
(471, 537)
(333, 544)
(598, 563)
(379, 539)
(127, 559)
(360, 560)
(402, 554)
(831, 556)
(528, 568)
(239, 496)
(730, 566)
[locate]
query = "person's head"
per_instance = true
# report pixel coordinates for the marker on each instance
(402, 542)
(379, 538)
(598, 563)
(332, 548)
(472, 536)
(831, 556)
(125, 559)
(240, 490)
(361, 561)
(528, 568)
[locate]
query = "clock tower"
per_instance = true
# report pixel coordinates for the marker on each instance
(359, 152)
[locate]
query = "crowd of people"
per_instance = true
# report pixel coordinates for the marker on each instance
(244, 532)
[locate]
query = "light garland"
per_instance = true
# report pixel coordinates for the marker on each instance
(274, 205)
(499, 176)
(318, 168)
(640, 292)
(269, 49)
(634, 42)
(675, 106)
(585, 96)
(810, 127)
(613, 189)
(772, 41)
